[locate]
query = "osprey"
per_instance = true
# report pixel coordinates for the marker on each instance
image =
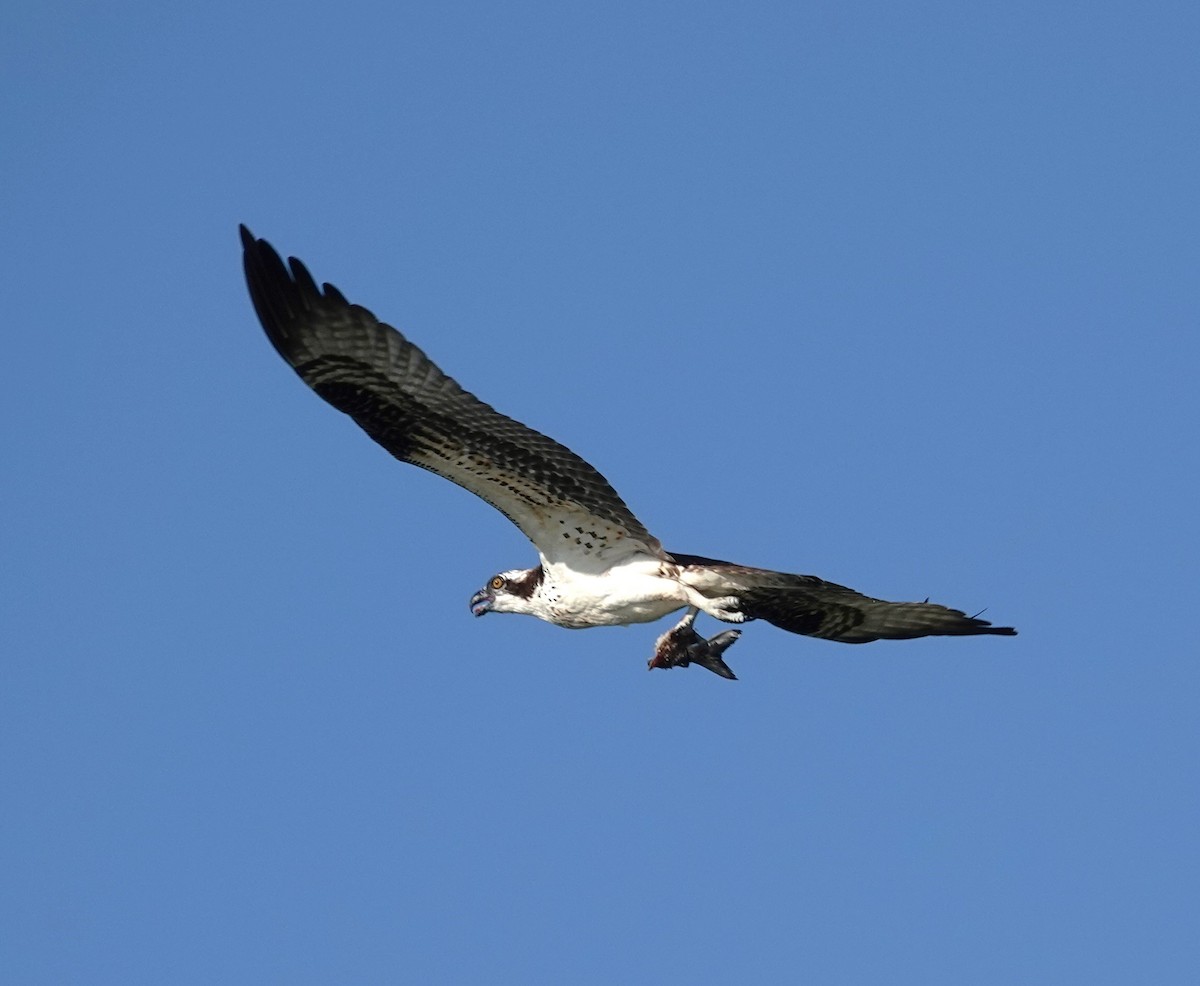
(597, 564)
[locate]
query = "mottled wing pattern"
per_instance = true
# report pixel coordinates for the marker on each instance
(396, 394)
(816, 608)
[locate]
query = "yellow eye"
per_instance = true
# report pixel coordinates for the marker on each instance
(498, 582)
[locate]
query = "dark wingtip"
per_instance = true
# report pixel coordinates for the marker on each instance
(304, 280)
(983, 626)
(275, 295)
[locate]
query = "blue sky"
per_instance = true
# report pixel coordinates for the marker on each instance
(904, 296)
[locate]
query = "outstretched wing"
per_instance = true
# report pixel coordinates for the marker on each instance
(816, 608)
(396, 394)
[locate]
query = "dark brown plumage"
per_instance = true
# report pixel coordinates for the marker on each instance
(398, 396)
(811, 606)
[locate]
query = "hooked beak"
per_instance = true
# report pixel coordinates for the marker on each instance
(481, 602)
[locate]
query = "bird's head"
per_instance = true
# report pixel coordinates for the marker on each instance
(508, 592)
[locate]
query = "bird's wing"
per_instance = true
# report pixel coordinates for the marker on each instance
(811, 606)
(396, 394)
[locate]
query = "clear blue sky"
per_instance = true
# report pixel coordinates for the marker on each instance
(902, 295)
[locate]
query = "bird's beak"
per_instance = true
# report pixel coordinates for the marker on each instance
(481, 602)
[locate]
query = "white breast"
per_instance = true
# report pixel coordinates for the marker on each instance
(633, 592)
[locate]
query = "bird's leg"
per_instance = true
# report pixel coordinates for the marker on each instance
(724, 608)
(682, 645)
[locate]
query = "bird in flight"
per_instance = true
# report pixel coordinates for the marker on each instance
(597, 564)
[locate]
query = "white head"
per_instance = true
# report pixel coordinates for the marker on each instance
(508, 592)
